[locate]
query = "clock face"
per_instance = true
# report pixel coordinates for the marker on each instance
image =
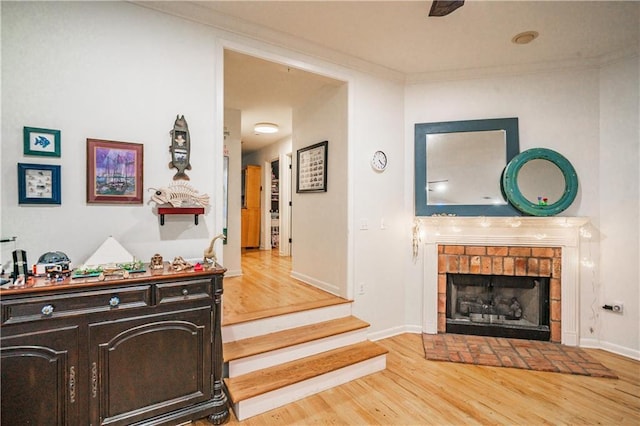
(379, 161)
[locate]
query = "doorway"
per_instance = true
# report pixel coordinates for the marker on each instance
(264, 91)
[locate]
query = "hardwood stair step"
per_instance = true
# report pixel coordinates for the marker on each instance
(270, 379)
(289, 320)
(286, 338)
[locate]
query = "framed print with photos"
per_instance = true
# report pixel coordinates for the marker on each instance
(114, 172)
(312, 168)
(38, 184)
(45, 142)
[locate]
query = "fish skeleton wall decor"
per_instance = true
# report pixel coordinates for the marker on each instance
(180, 148)
(178, 194)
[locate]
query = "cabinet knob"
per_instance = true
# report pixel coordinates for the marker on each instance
(185, 292)
(114, 301)
(47, 310)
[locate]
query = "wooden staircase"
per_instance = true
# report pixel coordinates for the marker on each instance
(270, 362)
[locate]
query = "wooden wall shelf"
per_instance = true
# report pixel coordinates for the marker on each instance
(195, 211)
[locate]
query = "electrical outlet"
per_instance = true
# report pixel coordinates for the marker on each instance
(617, 307)
(361, 287)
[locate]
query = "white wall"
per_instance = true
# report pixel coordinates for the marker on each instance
(231, 251)
(319, 220)
(118, 71)
(619, 152)
(115, 71)
(561, 111)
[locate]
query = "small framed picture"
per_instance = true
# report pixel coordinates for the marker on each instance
(38, 184)
(114, 172)
(44, 142)
(312, 168)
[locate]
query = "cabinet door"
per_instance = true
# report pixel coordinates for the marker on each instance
(148, 366)
(40, 377)
(252, 181)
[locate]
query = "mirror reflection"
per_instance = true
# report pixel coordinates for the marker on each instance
(541, 182)
(464, 168)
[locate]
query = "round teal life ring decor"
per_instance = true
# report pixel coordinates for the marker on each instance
(540, 182)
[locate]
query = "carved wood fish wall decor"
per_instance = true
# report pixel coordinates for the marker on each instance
(180, 148)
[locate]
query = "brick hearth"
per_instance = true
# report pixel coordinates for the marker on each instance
(502, 260)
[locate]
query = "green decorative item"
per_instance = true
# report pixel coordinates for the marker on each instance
(540, 182)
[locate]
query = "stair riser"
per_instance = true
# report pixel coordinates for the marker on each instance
(231, 333)
(256, 362)
(277, 398)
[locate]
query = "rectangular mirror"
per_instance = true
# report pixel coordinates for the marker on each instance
(459, 164)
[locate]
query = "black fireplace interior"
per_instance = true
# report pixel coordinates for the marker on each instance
(499, 306)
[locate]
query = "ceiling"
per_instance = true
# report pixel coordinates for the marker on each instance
(397, 37)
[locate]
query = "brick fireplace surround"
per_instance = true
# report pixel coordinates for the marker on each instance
(502, 260)
(534, 246)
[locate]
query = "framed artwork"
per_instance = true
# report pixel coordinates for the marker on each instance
(114, 172)
(312, 168)
(44, 142)
(38, 184)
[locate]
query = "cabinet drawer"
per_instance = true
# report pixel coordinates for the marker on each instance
(184, 291)
(71, 304)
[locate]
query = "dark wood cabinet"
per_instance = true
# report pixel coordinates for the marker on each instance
(144, 350)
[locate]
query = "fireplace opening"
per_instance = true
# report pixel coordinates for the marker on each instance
(498, 305)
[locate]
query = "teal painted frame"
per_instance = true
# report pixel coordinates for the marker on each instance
(514, 195)
(25, 195)
(509, 125)
(32, 150)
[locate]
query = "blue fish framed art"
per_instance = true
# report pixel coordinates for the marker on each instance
(38, 141)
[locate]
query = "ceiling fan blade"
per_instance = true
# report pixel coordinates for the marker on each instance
(443, 8)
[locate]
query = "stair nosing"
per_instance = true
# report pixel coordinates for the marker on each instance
(347, 355)
(279, 340)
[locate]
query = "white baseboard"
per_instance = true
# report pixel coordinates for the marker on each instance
(394, 331)
(610, 347)
(328, 287)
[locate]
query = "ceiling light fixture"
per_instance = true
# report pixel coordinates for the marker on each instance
(525, 37)
(265, 128)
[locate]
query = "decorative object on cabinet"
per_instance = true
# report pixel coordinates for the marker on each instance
(114, 172)
(45, 142)
(38, 184)
(179, 264)
(540, 182)
(109, 252)
(79, 350)
(458, 166)
(250, 212)
(156, 262)
(210, 252)
(180, 148)
(311, 173)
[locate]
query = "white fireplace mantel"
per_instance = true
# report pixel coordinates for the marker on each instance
(563, 232)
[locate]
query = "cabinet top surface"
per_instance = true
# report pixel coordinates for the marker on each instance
(36, 285)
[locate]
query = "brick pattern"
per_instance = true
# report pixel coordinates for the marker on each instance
(502, 260)
(516, 353)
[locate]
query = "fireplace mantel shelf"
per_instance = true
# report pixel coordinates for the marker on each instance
(505, 221)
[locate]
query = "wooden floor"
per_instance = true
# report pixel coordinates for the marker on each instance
(414, 391)
(267, 289)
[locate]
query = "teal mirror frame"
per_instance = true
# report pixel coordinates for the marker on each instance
(509, 125)
(514, 195)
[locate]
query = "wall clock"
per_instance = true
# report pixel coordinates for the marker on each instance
(379, 161)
